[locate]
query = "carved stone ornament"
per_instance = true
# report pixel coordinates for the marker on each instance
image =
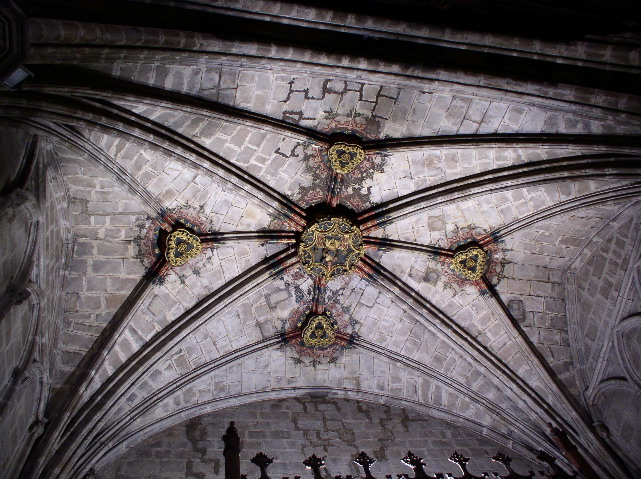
(262, 461)
(412, 460)
(17, 294)
(315, 463)
(502, 458)
(344, 157)
(459, 459)
(331, 248)
(601, 429)
(366, 463)
(470, 263)
(364, 460)
(181, 247)
(320, 332)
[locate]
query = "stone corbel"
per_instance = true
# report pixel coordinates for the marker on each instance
(12, 296)
(17, 292)
(602, 430)
(26, 376)
(17, 198)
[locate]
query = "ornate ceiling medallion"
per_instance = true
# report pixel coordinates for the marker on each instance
(320, 332)
(344, 157)
(470, 263)
(330, 248)
(317, 338)
(181, 247)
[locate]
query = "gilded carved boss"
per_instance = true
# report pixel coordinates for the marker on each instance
(181, 247)
(330, 248)
(345, 157)
(320, 332)
(470, 263)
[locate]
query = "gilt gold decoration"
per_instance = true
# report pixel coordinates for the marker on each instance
(331, 248)
(470, 263)
(320, 332)
(181, 247)
(345, 157)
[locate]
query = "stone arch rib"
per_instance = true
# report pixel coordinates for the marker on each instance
(110, 118)
(617, 193)
(79, 418)
(569, 419)
(206, 407)
(119, 435)
(618, 143)
(83, 83)
(119, 174)
(582, 166)
(184, 381)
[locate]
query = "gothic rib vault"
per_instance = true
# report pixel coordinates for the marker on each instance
(231, 210)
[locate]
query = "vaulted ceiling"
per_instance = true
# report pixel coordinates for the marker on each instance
(143, 118)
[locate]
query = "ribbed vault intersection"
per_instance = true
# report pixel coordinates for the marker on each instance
(247, 228)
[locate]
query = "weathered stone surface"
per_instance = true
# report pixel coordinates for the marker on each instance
(150, 123)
